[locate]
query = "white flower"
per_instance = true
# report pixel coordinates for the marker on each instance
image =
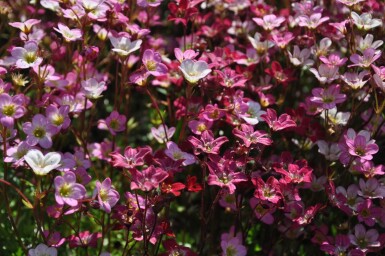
(336, 118)
(300, 57)
(26, 57)
(174, 152)
(92, 88)
(367, 42)
(253, 114)
(123, 45)
(194, 71)
(258, 44)
(160, 133)
(365, 21)
(42, 164)
(331, 151)
(43, 250)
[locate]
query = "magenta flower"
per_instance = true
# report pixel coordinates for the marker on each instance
(296, 174)
(328, 98)
(39, 131)
(224, 176)
(148, 179)
(11, 108)
(362, 148)
(282, 40)
(207, 143)
(54, 238)
(250, 137)
(132, 157)
(269, 22)
(267, 191)
(84, 239)
(114, 123)
(278, 123)
(369, 56)
(67, 191)
(232, 245)
(152, 3)
(153, 63)
(333, 60)
(106, 195)
(368, 213)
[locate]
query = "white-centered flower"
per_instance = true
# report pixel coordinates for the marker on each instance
(365, 21)
(194, 71)
(123, 45)
(42, 164)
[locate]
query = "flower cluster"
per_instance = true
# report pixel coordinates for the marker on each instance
(182, 127)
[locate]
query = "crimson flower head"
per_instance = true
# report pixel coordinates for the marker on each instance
(207, 143)
(267, 191)
(296, 173)
(282, 76)
(192, 184)
(224, 176)
(182, 11)
(278, 123)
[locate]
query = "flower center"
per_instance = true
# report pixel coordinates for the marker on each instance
(39, 132)
(177, 155)
(9, 110)
(231, 251)
(65, 190)
(103, 195)
(201, 127)
(57, 119)
(30, 57)
(151, 65)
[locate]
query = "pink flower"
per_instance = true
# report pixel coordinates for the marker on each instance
(84, 239)
(132, 157)
(207, 143)
(269, 22)
(333, 60)
(328, 98)
(362, 148)
(325, 73)
(11, 108)
(69, 34)
(278, 123)
(369, 56)
(267, 191)
(174, 152)
(250, 137)
(153, 63)
(40, 131)
(114, 123)
(25, 26)
(106, 195)
(148, 179)
(67, 191)
(58, 116)
(371, 189)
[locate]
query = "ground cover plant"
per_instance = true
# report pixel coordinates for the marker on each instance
(203, 127)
